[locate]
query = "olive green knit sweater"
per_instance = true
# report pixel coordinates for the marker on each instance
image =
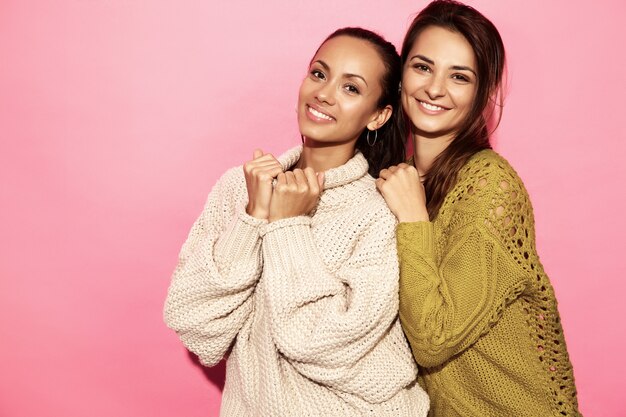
(478, 309)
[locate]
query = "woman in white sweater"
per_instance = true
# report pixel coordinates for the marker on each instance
(292, 264)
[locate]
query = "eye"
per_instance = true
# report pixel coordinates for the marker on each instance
(461, 78)
(421, 67)
(351, 88)
(318, 74)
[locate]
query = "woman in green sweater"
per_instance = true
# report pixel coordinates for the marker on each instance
(476, 306)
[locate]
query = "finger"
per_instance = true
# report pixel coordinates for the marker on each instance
(273, 172)
(300, 179)
(291, 179)
(379, 183)
(384, 173)
(312, 180)
(267, 174)
(265, 159)
(321, 176)
(403, 165)
(281, 179)
(265, 165)
(393, 169)
(257, 154)
(260, 161)
(268, 157)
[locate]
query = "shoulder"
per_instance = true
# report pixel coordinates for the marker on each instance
(233, 175)
(228, 190)
(231, 180)
(373, 205)
(357, 203)
(487, 170)
(486, 164)
(488, 184)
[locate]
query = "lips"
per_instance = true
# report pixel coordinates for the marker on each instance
(316, 113)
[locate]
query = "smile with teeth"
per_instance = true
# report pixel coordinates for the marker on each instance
(319, 114)
(431, 107)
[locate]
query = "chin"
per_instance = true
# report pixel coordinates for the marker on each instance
(433, 130)
(314, 134)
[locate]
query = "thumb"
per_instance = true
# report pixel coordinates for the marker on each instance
(320, 180)
(379, 183)
(257, 154)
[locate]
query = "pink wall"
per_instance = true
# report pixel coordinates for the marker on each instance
(117, 116)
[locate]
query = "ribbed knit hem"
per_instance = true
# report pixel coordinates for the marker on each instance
(287, 222)
(291, 260)
(241, 238)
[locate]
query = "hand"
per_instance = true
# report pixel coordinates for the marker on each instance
(296, 193)
(260, 173)
(404, 193)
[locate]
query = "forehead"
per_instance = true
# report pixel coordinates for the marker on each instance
(444, 46)
(350, 55)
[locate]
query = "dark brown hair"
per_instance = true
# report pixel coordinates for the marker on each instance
(473, 135)
(389, 147)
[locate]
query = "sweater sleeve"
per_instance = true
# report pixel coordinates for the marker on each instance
(329, 324)
(448, 303)
(210, 295)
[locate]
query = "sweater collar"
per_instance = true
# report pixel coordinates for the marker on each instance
(355, 168)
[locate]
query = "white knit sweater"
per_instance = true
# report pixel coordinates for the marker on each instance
(310, 302)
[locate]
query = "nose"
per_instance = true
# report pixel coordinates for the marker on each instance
(326, 93)
(436, 87)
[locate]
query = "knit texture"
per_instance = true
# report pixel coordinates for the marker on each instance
(308, 305)
(476, 305)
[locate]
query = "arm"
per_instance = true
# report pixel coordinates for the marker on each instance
(209, 298)
(330, 325)
(446, 305)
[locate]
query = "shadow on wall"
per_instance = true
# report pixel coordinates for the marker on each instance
(216, 374)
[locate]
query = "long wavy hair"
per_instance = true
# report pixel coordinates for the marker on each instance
(389, 146)
(473, 134)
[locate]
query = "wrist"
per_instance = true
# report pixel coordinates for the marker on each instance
(256, 212)
(275, 217)
(414, 216)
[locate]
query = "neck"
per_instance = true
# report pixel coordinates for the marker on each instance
(427, 149)
(322, 157)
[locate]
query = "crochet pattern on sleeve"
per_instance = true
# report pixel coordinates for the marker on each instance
(511, 219)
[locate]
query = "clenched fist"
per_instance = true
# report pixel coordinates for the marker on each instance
(404, 193)
(260, 173)
(296, 193)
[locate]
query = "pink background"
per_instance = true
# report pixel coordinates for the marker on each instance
(117, 116)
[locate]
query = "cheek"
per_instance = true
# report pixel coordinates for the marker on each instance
(301, 94)
(463, 98)
(411, 82)
(467, 104)
(363, 110)
(355, 110)
(305, 90)
(405, 97)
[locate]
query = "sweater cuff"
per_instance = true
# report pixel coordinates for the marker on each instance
(240, 239)
(287, 222)
(293, 263)
(416, 237)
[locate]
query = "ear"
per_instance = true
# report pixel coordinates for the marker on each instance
(380, 118)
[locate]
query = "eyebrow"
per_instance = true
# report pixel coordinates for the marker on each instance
(327, 68)
(454, 67)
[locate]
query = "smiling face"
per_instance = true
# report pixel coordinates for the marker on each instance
(439, 83)
(339, 96)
